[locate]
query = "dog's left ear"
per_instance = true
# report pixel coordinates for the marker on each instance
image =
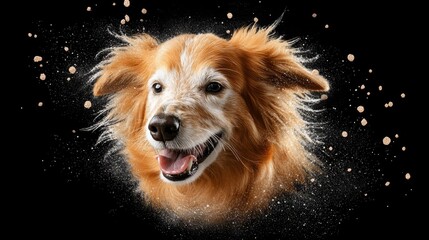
(272, 60)
(126, 64)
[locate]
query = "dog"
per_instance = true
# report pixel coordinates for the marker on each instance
(211, 127)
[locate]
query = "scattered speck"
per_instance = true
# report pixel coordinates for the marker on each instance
(370, 70)
(387, 184)
(404, 148)
(30, 35)
(351, 57)
(113, 4)
(362, 86)
(360, 109)
(368, 93)
(66, 49)
(315, 72)
(37, 59)
(349, 169)
(331, 148)
(386, 140)
(127, 18)
(390, 104)
(326, 26)
(402, 95)
(72, 70)
(68, 78)
(312, 180)
(73, 131)
(323, 97)
(126, 3)
(396, 135)
(228, 31)
(365, 194)
(364, 122)
(380, 88)
(35, 36)
(42, 76)
(144, 10)
(88, 9)
(344, 134)
(386, 105)
(314, 15)
(40, 104)
(407, 176)
(255, 19)
(229, 15)
(87, 104)
(122, 21)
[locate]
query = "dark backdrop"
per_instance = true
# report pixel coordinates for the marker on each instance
(365, 192)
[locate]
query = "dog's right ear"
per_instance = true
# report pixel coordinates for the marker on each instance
(126, 65)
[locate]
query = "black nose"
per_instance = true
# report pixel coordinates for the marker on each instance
(164, 127)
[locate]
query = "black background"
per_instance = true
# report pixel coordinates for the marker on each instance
(79, 194)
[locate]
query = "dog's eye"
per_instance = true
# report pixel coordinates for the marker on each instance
(157, 87)
(214, 87)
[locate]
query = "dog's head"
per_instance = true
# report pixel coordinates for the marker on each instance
(197, 99)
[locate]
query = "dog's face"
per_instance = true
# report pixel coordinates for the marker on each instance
(201, 97)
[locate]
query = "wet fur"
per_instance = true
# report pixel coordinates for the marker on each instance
(264, 155)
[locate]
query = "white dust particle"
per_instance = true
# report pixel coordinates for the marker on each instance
(40, 104)
(255, 19)
(41, 65)
(396, 135)
(351, 57)
(387, 184)
(326, 26)
(68, 79)
(228, 31)
(331, 148)
(35, 36)
(390, 104)
(362, 87)
(349, 169)
(364, 122)
(344, 134)
(315, 72)
(404, 148)
(380, 88)
(323, 97)
(66, 49)
(72, 70)
(386, 140)
(42, 76)
(30, 35)
(402, 95)
(314, 15)
(88, 9)
(229, 15)
(365, 194)
(386, 105)
(368, 93)
(370, 70)
(113, 4)
(127, 18)
(312, 180)
(87, 104)
(360, 109)
(126, 3)
(144, 10)
(407, 176)
(37, 58)
(73, 131)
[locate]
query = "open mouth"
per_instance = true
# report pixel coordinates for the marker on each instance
(180, 164)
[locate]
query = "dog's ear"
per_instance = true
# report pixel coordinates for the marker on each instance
(125, 65)
(273, 60)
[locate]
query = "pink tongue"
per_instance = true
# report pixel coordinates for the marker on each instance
(172, 162)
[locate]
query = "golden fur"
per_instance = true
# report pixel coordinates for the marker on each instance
(265, 151)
